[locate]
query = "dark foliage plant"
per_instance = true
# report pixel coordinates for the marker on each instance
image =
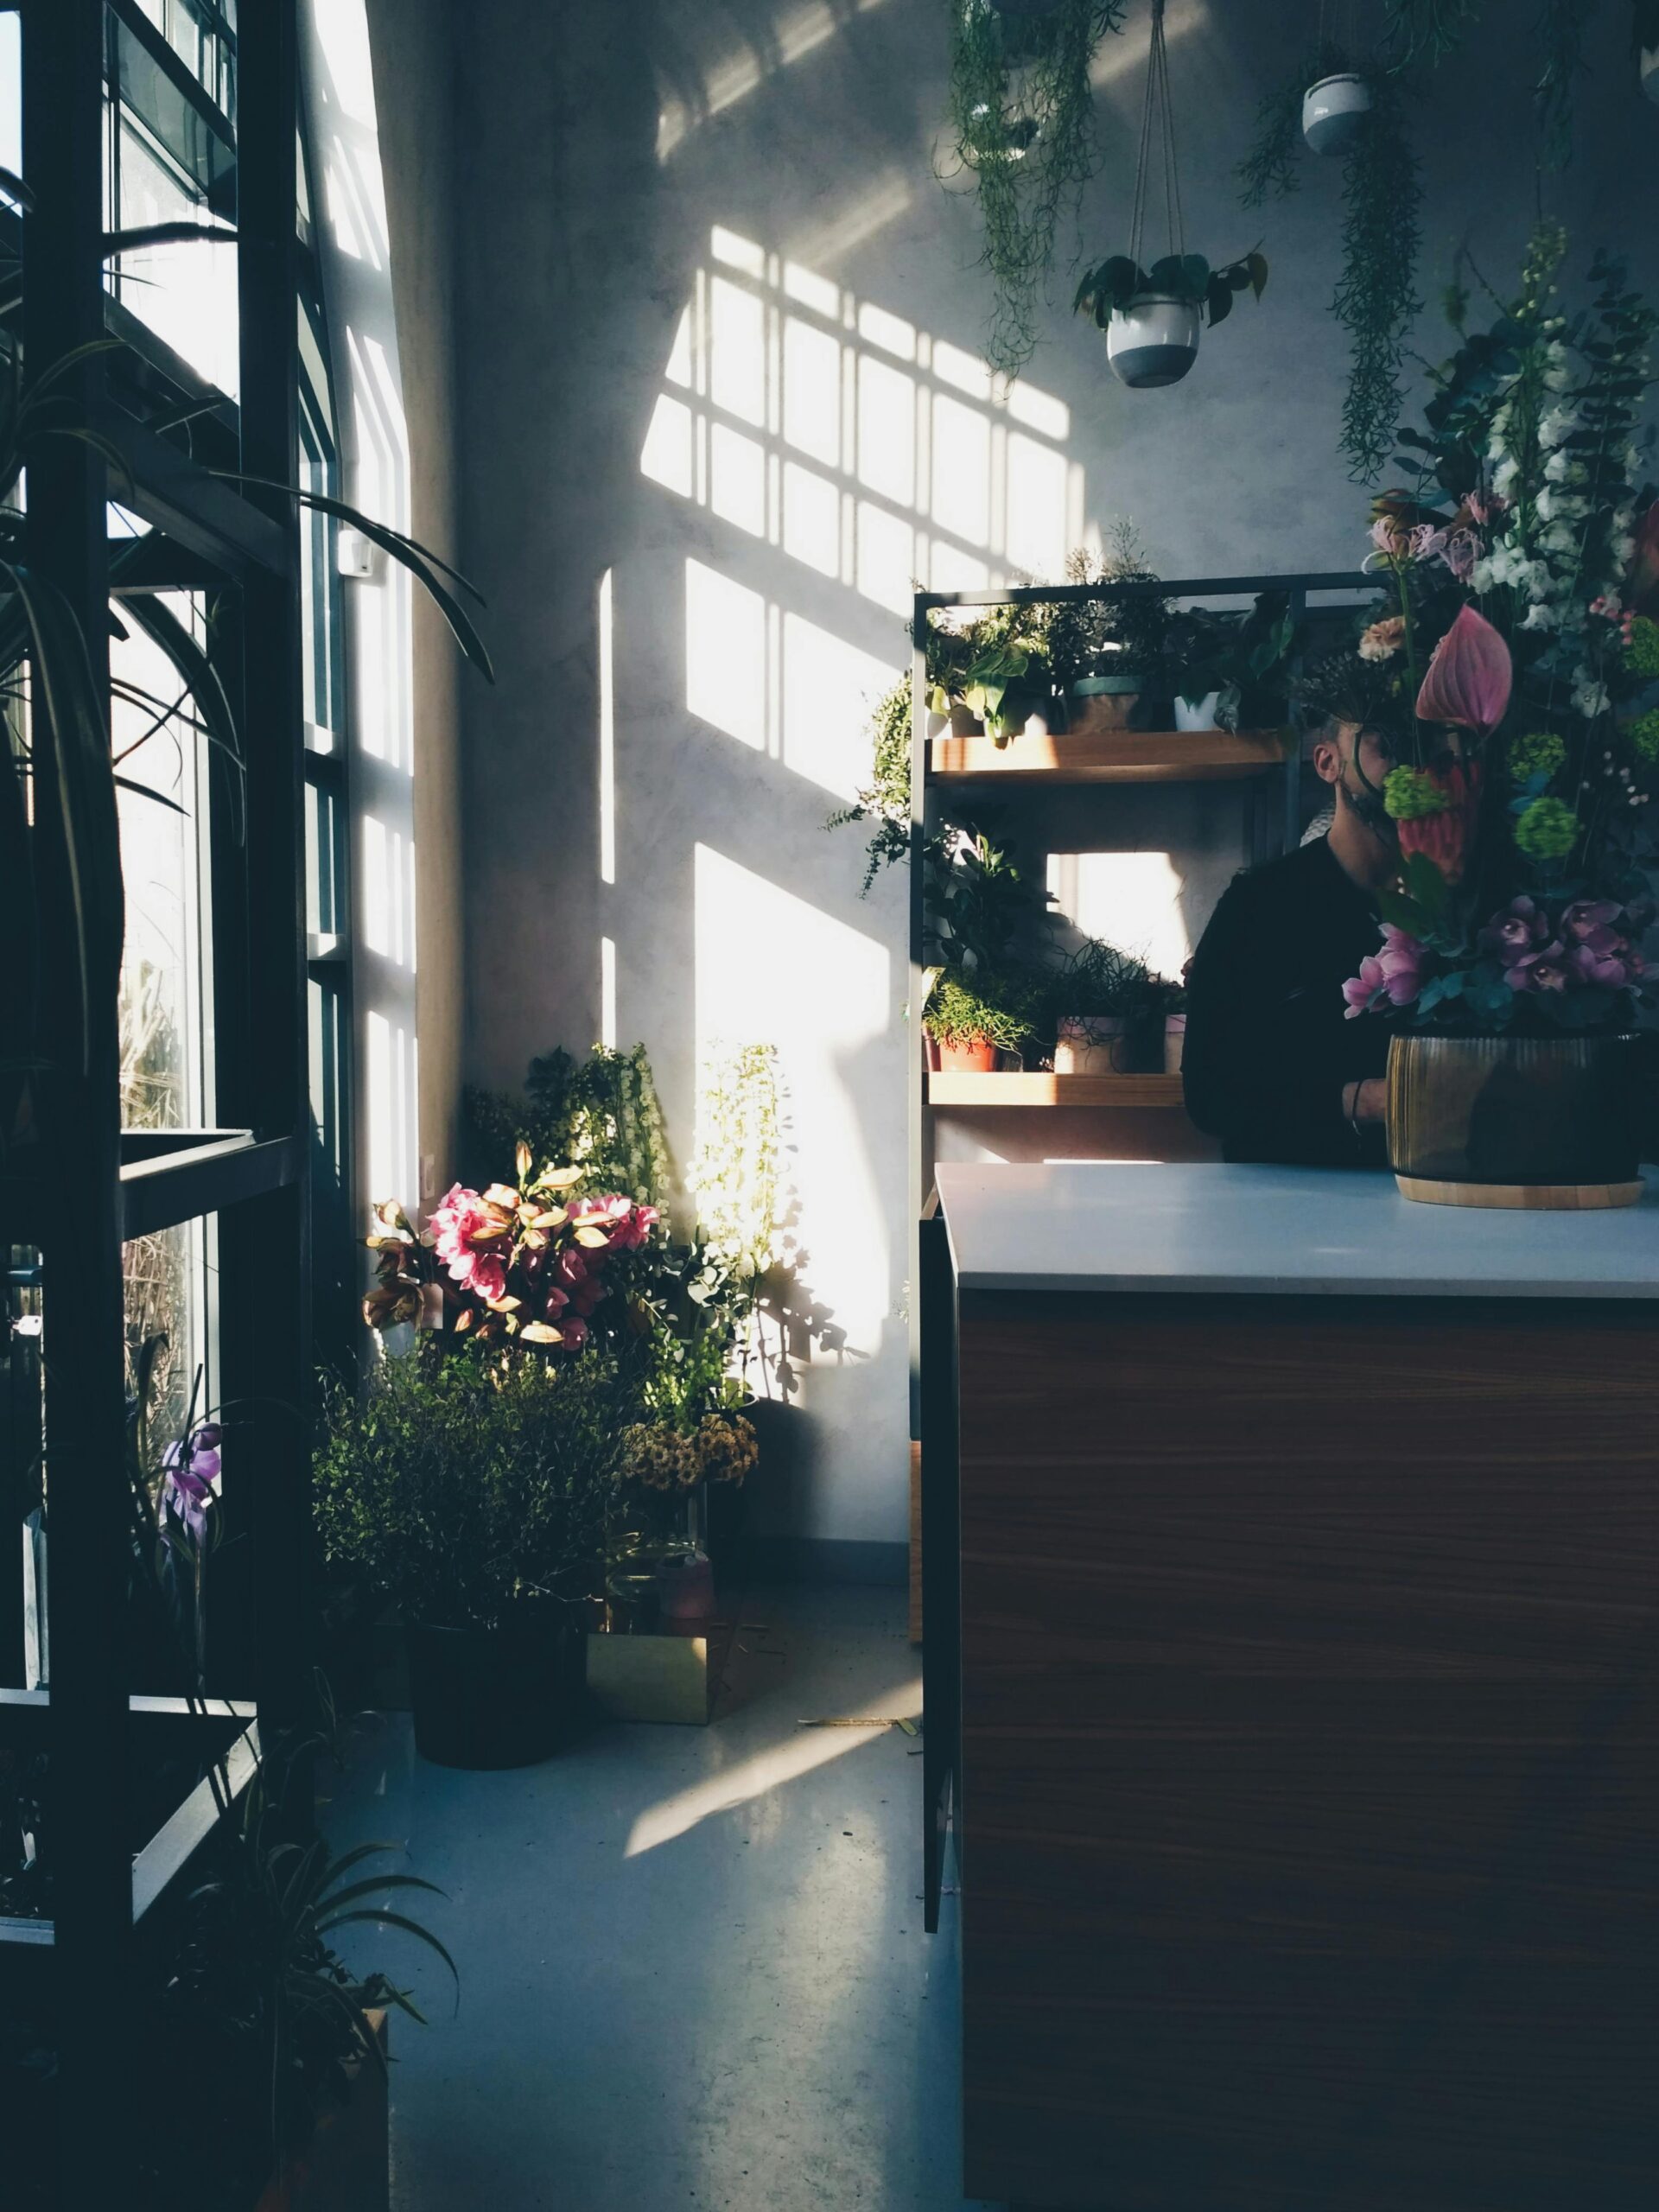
(469, 1480)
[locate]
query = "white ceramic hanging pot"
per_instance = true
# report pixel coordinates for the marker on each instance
(1333, 112)
(1650, 72)
(1197, 714)
(1154, 341)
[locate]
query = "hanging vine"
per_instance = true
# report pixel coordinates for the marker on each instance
(1376, 298)
(1562, 25)
(1021, 117)
(1426, 30)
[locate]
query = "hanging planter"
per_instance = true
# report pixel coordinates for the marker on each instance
(1154, 317)
(1021, 124)
(1334, 113)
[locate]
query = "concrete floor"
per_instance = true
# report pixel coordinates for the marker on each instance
(693, 1969)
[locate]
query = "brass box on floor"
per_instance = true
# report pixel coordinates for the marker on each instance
(661, 1677)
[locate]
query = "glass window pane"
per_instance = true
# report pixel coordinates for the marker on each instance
(165, 985)
(185, 293)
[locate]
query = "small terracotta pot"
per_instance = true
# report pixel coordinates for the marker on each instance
(968, 1056)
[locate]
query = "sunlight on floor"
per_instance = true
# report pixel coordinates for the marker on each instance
(785, 1762)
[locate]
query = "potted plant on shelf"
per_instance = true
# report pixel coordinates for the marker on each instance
(1154, 317)
(1104, 1005)
(1511, 667)
(989, 672)
(1225, 670)
(974, 1018)
(1107, 650)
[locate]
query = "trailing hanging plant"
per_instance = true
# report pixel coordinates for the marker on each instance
(1562, 25)
(1426, 30)
(885, 799)
(1021, 115)
(1376, 298)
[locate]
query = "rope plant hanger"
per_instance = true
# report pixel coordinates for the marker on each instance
(1153, 316)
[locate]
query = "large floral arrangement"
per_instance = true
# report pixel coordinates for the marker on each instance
(1512, 672)
(525, 1261)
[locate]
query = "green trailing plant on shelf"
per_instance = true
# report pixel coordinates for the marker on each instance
(999, 1010)
(1099, 982)
(1021, 124)
(885, 799)
(1376, 299)
(1116, 283)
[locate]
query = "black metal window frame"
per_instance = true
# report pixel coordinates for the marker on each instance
(251, 1170)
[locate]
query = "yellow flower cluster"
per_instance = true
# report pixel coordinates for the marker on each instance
(723, 1448)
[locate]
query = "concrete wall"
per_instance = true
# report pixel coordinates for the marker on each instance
(717, 327)
(413, 48)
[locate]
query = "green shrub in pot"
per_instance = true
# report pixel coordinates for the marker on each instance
(1107, 652)
(467, 1485)
(972, 1018)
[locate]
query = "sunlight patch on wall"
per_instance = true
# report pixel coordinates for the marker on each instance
(393, 1093)
(830, 688)
(771, 965)
(729, 73)
(725, 654)
(1129, 899)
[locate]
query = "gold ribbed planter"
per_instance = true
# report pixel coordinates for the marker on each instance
(1538, 1122)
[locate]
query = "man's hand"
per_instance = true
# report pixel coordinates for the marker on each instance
(1367, 1101)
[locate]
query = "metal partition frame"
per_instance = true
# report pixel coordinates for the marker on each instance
(85, 1190)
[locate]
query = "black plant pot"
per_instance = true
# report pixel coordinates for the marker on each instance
(497, 1697)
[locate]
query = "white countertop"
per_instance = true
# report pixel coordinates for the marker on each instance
(1106, 1225)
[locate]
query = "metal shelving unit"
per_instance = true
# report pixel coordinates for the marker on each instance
(84, 1186)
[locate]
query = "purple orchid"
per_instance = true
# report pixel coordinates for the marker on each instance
(189, 1490)
(1516, 933)
(1400, 962)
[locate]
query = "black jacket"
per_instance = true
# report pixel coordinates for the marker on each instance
(1270, 1047)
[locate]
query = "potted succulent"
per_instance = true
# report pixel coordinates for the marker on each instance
(1106, 651)
(468, 1485)
(1103, 1003)
(1153, 317)
(973, 1018)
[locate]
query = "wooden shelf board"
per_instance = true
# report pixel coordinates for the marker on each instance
(1152, 756)
(1162, 1091)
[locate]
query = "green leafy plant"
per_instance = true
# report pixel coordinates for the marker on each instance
(1121, 630)
(995, 664)
(982, 911)
(1021, 124)
(1116, 283)
(259, 1980)
(1001, 1010)
(885, 800)
(602, 1115)
(1238, 656)
(469, 1480)
(1426, 30)
(1376, 299)
(1098, 981)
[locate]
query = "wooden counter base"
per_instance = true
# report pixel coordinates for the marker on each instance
(1310, 1752)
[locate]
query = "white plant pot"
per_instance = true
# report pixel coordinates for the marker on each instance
(1174, 1043)
(1154, 341)
(1333, 111)
(1089, 1044)
(1650, 72)
(1201, 716)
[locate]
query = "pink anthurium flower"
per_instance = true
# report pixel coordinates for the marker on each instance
(1470, 677)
